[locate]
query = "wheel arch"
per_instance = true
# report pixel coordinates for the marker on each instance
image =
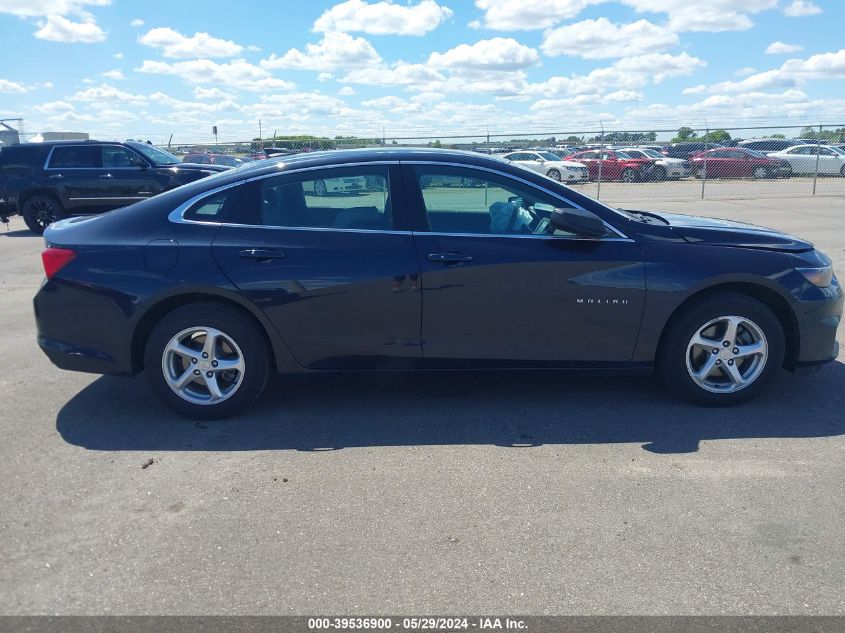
(28, 193)
(282, 358)
(767, 296)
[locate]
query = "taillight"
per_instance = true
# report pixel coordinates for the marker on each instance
(55, 259)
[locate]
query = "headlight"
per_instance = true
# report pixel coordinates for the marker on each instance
(821, 277)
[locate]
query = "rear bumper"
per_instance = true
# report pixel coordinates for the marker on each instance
(81, 328)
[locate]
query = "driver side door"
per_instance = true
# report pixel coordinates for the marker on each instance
(498, 293)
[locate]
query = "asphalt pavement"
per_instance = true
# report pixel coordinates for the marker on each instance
(527, 493)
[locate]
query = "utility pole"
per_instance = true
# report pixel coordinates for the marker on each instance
(259, 129)
(818, 150)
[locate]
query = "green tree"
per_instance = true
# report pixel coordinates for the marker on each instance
(685, 135)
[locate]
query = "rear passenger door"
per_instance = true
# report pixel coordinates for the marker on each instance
(73, 172)
(328, 255)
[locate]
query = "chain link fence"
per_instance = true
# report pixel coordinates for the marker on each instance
(624, 166)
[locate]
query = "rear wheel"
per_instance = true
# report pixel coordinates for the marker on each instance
(761, 172)
(842, 171)
(40, 211)
(320, 188)
(207, 361)
(628, 175)
(722, 350)
(554, 174)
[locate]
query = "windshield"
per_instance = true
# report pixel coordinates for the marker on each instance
(155, 155)
(838, 150)
(652, 154)
(755, 153)
(623, 155)
(547, 156)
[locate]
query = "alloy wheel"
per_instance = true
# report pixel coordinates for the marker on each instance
(203, 365)
(320, 188)
(761, 172)
(727, 354)
(554, 174)
(40, 212)
(628, 175)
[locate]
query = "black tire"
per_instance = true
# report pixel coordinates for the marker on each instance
(554, 174)
(672, 355)
(659, 173)
(40, 211)
(237, 326)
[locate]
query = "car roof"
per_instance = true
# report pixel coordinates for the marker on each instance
(334, 157)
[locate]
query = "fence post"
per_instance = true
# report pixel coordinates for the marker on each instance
(704, 169)
(601, 159)
(818, 149)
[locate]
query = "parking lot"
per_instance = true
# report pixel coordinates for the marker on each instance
(447, 493)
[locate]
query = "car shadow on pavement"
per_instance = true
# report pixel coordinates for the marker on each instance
(500, 408)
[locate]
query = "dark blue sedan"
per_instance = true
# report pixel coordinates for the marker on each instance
(402, 259)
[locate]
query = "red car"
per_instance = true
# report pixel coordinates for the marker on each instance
(209, 158)
(738, 162)
(615, 165)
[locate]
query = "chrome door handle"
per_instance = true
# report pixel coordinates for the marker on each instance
(262, 254)
(449, 258)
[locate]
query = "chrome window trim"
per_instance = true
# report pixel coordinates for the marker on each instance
(177, 215)
(129, 149)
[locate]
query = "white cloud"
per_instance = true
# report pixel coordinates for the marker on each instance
(324, 77)
(744, 71)
(383, 18)
(623, 96)
(792, 73)
(53, 107)
(137, 22)
(11, 86)
(628, 73)
(57, 28)
(173, 44)
(346, 91)
(114, 74)
(211, 93)
(118, 55)
(334, 51)
(104, 94)
(801, 8)
(714, 15)
(694, 90)
(494, 54)
(235, 74)
(779, 48)
(600, 39)
(514, 15)
(400, 74)
(35, 8)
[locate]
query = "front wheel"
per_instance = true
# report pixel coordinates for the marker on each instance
(628, 175)
(761, 172)
(207, 360)
(722, 350)
(40, 211)
(320, 188)
(554, 174)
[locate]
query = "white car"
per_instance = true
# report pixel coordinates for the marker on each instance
(802, 158)
(550, 165)
(329, 186)
(671, 168)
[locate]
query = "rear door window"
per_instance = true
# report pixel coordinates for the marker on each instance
(75, 157)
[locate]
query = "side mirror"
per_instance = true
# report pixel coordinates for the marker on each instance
(540, 160)
(578, 221)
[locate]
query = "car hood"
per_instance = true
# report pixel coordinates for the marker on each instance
(718, 232)
(569, 163)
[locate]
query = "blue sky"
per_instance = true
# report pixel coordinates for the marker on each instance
(121, 68)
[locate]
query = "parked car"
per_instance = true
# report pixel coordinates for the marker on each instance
(738, 162)
(550, 165)
(768, 145)
(211, 286)
(686, 150)
(664, 167)
(210, 158)
(806, 159)
(49, 181)
(615, 165)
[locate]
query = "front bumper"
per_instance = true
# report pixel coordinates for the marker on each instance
(818, 313)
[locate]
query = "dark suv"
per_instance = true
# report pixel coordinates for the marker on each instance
(685, 150)
(49, 181)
